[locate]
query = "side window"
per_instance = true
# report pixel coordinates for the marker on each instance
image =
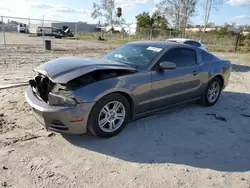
(182, 57)
(206, 56)
(193, 43)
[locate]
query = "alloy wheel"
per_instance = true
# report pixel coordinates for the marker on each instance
(111, 116)
(213, 92)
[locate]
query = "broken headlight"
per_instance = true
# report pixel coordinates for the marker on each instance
(60, 100)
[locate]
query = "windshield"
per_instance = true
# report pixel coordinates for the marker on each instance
(136, 55)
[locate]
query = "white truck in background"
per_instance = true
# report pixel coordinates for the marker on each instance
(22, 28)
(53, 32)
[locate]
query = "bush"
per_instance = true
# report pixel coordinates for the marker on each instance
(246, 42)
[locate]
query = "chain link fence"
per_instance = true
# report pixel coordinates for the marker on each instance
(22, 46)
(214, 42)
(88, 32)
(22, 43)
(36, 31)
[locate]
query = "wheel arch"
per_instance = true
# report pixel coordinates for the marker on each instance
(204, 100)
(125, 95)
(221, 78)
(130, 101)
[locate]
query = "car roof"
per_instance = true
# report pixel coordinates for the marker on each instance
(183, 39)
(160, 44)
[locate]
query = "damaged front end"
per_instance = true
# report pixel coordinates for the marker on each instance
(53, 94)
(56, 94)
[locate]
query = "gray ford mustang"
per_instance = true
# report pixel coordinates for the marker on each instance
(74, 95)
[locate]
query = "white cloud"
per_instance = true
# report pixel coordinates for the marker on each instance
(134, 1)
(126, 5)
(4, 9)
(241, 17)
(238, 20)
(51, 11)
(60, 8)
(154, 9)
(41, 6)
(130, 3)
(70, 10)
(239, 2)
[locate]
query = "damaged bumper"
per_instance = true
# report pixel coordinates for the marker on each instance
(60, 119)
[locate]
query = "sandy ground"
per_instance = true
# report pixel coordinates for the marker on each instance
(184, 147)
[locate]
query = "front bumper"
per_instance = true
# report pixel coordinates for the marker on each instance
(57, 118)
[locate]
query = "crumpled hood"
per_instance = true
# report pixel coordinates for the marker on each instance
(62, 70)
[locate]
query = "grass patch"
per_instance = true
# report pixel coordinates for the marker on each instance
(87, 38)
(244, 49)
(120, 40)
(246, 60)
(111, 41)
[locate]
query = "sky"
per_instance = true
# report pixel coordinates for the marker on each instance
(237, 11)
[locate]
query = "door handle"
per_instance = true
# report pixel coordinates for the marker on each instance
(195, 72)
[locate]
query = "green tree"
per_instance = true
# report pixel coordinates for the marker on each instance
(179, 11)
(143, 21)
(151, 26)
(171, 9)
(156, 21)
(187, 11)
(13, 22)
(105, 10)
(207, 6)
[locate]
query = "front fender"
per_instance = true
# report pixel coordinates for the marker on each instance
(137, 86)
(95, 91)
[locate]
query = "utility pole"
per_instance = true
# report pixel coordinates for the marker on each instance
(3, 32)
(237, 42)
(43, 32)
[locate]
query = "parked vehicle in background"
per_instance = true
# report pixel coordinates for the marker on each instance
(53, 32)
(73, 95)
(191, 42)
(22, 28)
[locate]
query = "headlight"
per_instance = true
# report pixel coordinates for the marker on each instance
(59, 100)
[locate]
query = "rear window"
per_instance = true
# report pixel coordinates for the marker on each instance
(206, 56)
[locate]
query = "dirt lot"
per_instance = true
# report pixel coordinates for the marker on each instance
(185, 147)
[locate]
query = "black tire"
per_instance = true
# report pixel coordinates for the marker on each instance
(94, 115)
(204, 99)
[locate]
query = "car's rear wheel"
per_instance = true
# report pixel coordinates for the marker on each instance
(109, 115)
(212, 93)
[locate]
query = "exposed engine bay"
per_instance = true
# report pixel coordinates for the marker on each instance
(43, 86)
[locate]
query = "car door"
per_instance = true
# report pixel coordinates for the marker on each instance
(171, 86)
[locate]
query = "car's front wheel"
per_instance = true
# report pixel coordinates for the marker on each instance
(212, 93)
(109, 115)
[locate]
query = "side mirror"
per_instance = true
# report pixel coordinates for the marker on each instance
(167, 65)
